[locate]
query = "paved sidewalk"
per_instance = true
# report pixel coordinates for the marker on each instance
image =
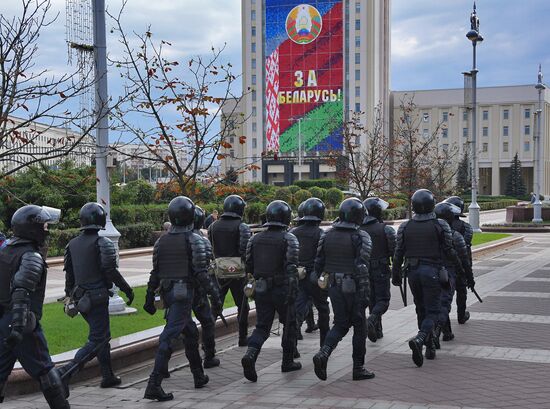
(499, 359)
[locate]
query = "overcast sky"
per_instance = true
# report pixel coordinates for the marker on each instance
(429, 47)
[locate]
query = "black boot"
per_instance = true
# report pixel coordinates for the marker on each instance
(371, 327)
(296, 353)
(416, 344)
(54, 391)
(310, 321)
(320, 361)
(199, 377)
(243, 341)
(448, 332)
(154, 391)
(436, 335)
(288, 364)
(248, 362)
(463, 318)
(108, 378)
(430, 347)
(379, 332)
(359, 370)
(210, 359)
(299, 335)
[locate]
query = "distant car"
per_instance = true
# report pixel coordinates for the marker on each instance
(351, 193)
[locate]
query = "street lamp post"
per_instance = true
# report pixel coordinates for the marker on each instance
(474, 36)
(537, 205)
(299, 148)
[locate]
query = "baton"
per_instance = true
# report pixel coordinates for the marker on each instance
(476, 294)
(223, 319)
(76, 366)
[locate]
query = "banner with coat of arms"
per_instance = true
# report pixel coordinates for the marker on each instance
(304, 48)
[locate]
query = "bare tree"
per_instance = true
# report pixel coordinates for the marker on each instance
(175, 110)
(30, 95)
(444, 169)
(367, 164)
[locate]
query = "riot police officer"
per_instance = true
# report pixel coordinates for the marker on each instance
(383, 247)
(465, 229)
(272, 259)
(422, 242)
(23, 273)
(201, 306)
(447, 212)
(179, 258)
(343, 259)
(309, 293)
(90, 270)
(229, 236)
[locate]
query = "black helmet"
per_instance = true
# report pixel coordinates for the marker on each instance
(351, 213)
(423, 201)
(92, 216)
(375, 206)
(199, 218)
(446, 211)
(181, 211)
(233, 206)
(298, 219)
(457, 201)
(314, 209)
(30, 222)
(278, 213)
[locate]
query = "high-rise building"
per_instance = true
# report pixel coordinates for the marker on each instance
(307, 65)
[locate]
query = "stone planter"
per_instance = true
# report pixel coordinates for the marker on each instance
(515, 214)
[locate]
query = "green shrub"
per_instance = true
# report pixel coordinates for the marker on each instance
(334, 197)
(494, 205)
(58, 239)
(132, 214)
(253, 211)
(284, 193)
(397, 203)
(324, 183)
(293, 188)
(300, 196)
(318, 192)
(136, 235)
(394, 213)
(210, 207)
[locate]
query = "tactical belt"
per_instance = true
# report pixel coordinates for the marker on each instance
(276, 281)
(379, 262)
(413, 262)
(337, 277)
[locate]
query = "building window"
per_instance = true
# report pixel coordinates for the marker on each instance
(358, 24)
(254, 111)
(505, 114)
(254, 95)
(426, 133)
(504, 146)
(465, 115)
(253, 47)
(485, 115)
(445, 132)
(445, 116)
(232, 154)
(357, 75)
(253, 31)
(357, 140)
(253, 15)
(254, 143)
(357, 58)
(357, 41)
(253, 79)
(357, 107)
(527, 113)
(232, 139)
(485, 131)
(465, 132)
(357, 7)
(485, 147)
(526, 146)
(445, 147)
(504, 131)
(527, 130)
(357, 91)
(425, 117)
(254, 127)
(253, 63)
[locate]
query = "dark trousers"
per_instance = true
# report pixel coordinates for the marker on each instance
(447, 295)
(310, 294)
(32, 353)
(274, 300)
(236, 285)
(426, 290)
(380, 294)
(203, 313)
(178, 320)
(99, 331)
(461, 295)
(349, 312)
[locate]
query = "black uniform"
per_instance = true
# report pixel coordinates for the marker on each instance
(383, 247)
(90, 271)
(23, 273)
(309, 293)
(465, 229)
(229, 237)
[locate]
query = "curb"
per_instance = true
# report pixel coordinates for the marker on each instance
(497, 245)
(516, 229)
(142, 251)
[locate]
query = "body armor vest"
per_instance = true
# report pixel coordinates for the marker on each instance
(377, 234)
(85, 259)
(339, 251)
(422, 240)
(308, 237)
(226, 237)
(269, 254)
(10, 259)
(173, 257)
(458, 225)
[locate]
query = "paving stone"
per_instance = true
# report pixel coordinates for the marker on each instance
(528, 286)
(542, 273)
(513, 305)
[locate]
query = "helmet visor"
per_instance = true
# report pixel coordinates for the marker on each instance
(383, 204)
(454, 209)
(50, 215)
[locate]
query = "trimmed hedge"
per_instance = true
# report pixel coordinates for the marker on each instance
(494, 205)
(324, 183)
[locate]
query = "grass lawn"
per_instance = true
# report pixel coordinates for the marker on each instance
(482, 238)
(64, 333)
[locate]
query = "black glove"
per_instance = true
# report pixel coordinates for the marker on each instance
(149, 305)
(292, 290)
(130, 295)
(14, 338)
(216, 305)
(470, 282)
(364, 294)
(396, 278)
